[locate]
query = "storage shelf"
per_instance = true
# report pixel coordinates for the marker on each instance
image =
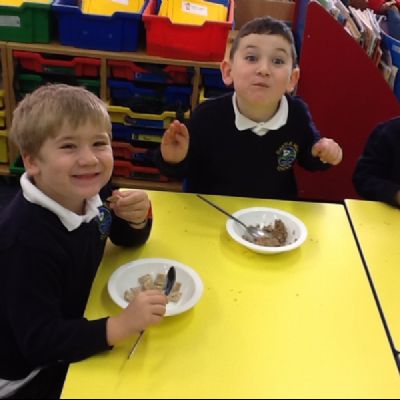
(104, 56)
(138, 56)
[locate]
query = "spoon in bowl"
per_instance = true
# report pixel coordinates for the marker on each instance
(253, 231)
(170, 281)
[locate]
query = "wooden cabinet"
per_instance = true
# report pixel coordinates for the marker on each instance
(9, 62)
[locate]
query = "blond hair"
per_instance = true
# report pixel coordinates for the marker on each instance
(41, 114)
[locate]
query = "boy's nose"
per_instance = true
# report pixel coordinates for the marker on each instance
(87, 156)
(263, 68)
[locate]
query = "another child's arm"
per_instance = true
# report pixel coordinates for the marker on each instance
(376, 173)
(328, 151)
(175, 143)
(148, 308)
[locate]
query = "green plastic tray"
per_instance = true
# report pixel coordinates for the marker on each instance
(29, 23)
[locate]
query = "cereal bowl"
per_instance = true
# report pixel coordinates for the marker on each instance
(263, 216)
(127, 277)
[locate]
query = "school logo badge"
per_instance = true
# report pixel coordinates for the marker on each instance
(104, 221)
(287, 154)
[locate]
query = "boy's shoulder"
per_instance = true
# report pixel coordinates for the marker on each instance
(389, 126)
(22, 221)
(296, 102)
(215, 104)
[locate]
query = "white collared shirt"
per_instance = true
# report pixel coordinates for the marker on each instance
(261, 128)
(68, 218)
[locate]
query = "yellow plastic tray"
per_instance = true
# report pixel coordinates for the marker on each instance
(193, 12)
(3, 147)
(109, 7)
(18, 3)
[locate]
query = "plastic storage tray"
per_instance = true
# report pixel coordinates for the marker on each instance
(124, 115)
(1, 99)
(3, 147)
(2, 119)
(77, 66)
(28, 23)
(143, 72)
(27, 83)
(203, 43)
(212, 77)
(150, 98)
(130, 133)
(128, 170)
(120, 32)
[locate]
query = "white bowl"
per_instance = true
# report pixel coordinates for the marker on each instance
(297, 232)
(127, 275)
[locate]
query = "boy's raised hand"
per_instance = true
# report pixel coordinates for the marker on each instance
(328, 151)
(131, 205)
(175, 143)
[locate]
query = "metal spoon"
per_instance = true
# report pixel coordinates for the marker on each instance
(253, 231)
(171, 277)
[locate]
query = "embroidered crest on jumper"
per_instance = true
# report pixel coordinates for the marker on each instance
(104, 221)
(287, 154)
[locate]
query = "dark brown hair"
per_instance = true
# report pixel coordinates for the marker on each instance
(265, 26)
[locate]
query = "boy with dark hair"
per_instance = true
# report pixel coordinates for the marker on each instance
(246, 143)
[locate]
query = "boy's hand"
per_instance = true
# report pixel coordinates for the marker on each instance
(131, 205)
(147, 308)
(328, 151)
(175, 143)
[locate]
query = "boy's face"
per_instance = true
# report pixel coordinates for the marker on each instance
(261, 71)
(73, 166)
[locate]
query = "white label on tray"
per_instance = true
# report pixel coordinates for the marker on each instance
(124, 2)
(14, 21)
(194, 8)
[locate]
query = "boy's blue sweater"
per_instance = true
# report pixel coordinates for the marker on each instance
(223, 160)
(46, 276)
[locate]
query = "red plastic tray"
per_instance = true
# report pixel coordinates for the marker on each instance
(206, 42)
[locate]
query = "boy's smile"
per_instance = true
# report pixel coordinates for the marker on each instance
(261, 72)
(73, 166)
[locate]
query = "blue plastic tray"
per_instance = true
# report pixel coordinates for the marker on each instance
(120, 32)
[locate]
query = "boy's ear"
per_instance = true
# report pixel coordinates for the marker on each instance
(294, 79)
(30, 164)
(226, 72)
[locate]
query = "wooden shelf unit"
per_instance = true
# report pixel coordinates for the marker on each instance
(139, 56)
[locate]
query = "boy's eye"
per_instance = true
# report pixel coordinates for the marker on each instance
(278, 61)
(67, 146)
(251, 58)
(100, 143)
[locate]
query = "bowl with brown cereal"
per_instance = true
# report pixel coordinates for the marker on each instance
(150, 273)
(283, 231)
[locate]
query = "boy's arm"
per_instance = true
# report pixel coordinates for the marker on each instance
(176, 171)
(131, 215)
(372, 175)
(310, 136)
(171, 156)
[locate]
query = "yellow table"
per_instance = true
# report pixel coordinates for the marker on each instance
(299, 324)
(377, 227)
